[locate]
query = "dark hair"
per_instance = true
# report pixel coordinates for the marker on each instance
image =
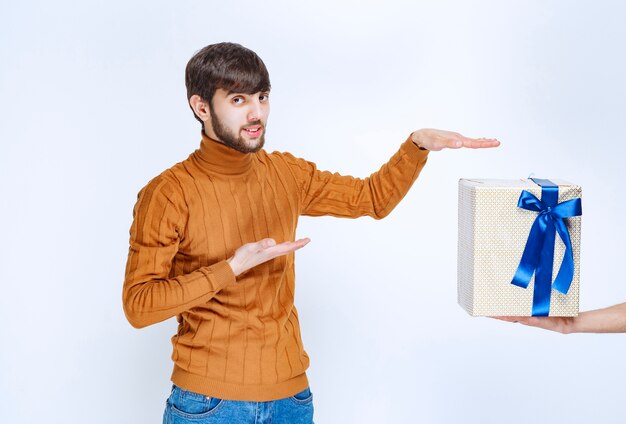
(228, 66)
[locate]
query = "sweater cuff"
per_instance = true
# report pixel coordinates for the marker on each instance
(220, 275)
(413, 150)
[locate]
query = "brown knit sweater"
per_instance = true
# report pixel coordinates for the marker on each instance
(239, 338)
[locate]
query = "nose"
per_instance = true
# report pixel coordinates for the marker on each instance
(255, 111)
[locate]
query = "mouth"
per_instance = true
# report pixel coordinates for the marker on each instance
(253, 131)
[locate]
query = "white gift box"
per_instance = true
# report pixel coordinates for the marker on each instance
(493, 232)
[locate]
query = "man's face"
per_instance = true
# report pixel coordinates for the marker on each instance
(238, 120)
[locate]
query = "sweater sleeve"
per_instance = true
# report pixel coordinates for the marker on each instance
(149, 296)
(324, 193)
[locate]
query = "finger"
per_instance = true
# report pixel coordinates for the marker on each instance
(516, 320)
(509, 319)
(290, 246)
(287, 247)
(480, 143)
(531, 321)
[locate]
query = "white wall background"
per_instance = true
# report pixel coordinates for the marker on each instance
(92, 105)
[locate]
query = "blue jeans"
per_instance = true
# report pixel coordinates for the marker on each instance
(185, 407)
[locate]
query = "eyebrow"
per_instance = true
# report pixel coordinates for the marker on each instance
(240, 93)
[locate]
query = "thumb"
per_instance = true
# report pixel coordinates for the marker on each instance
(456, 143)
(268, 242)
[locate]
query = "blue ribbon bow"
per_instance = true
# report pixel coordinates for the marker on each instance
(538, 256)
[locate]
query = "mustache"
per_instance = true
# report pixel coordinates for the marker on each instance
(255, 123)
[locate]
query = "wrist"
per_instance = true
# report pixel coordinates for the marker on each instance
(230, 261)
(569, 326)
(417, 139)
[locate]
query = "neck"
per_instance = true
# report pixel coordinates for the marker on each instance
(218, 158)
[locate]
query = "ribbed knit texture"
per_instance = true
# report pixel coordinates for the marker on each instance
(239, 338)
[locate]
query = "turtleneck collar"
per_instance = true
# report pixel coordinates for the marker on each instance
(221, 159)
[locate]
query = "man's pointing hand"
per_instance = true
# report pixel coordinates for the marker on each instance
(252, 254)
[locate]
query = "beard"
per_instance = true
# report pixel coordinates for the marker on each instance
(237, 142)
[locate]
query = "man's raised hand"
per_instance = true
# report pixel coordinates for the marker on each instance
(431, 139)
(252, 254)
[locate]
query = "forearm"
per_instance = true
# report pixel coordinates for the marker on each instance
(606, 320)
(150, 300)
(388, 186)
(344, 196)
(150, 293)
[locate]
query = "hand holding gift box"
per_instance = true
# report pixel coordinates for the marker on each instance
(507, 234)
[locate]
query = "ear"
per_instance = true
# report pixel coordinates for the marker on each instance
(200, 107)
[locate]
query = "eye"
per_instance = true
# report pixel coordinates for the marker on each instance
(237, 100)
(264, 97)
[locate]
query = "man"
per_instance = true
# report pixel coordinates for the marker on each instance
(606, 320)
(211, 243)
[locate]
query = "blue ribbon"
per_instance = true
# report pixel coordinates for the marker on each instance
(538, 256)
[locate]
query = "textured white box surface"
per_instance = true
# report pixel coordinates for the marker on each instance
(492, 235)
